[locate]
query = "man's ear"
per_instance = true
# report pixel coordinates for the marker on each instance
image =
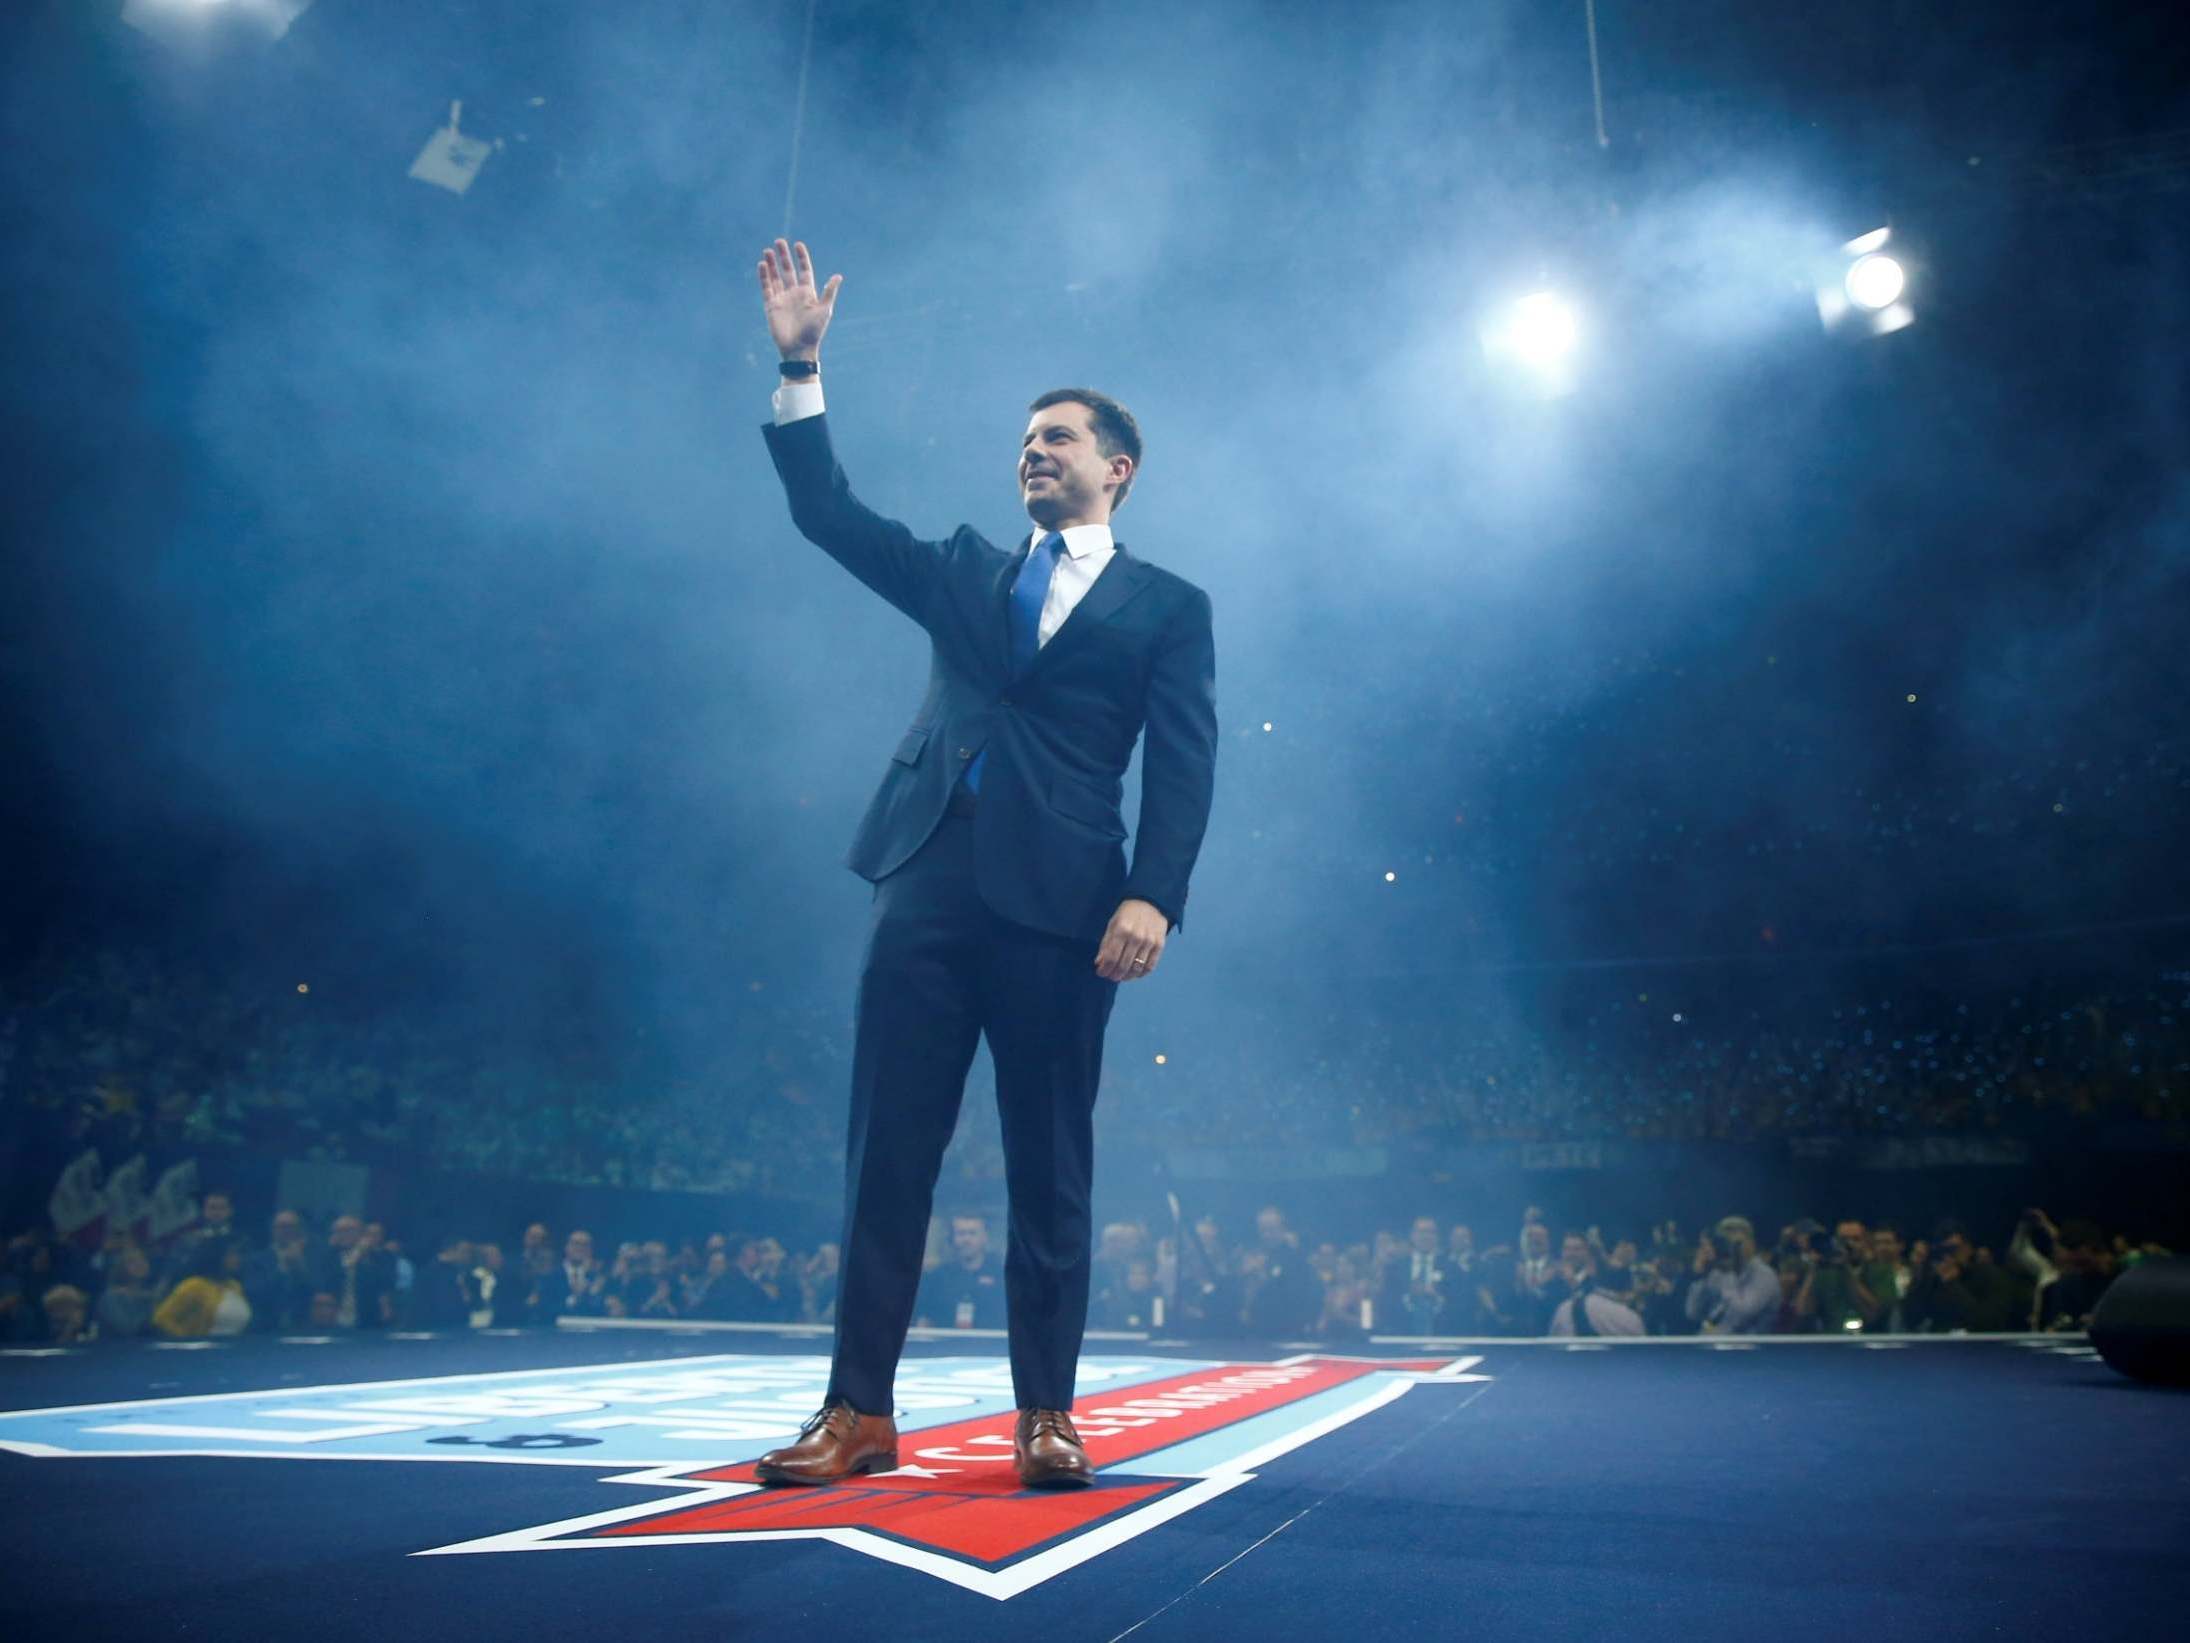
(1121, 470)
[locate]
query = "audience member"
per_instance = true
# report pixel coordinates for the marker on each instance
(210, 1300)
(68, 1315)
(278, 1279)
(1208, 1290)
(1280, 1296)
(493, 1303)
(575, 1288)
(448, 1295)
(126, 1303)
(1535, 1286)
(1961, 1288)
(1590, 1308)
(1414, 1301)
(966, 1291)
(1734, 1290)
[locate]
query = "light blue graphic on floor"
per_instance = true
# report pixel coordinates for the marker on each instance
(678, 1411)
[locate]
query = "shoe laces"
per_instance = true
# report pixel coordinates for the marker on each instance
(1054, 1423)
(839, 1418)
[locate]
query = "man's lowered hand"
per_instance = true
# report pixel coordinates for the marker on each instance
(1134, 942)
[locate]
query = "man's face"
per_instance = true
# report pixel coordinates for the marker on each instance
(1063, 475)
(1854, 1240)
(536, 1235)
(1734, 1247)
(1574, 1254)
(1460, 1242)
(288, 1227)
(325, 1308)
(1425, 1235)
(1270, 1227)
(578, 1248)
(970, 1239)
(217, 1211)
(1536, 1240)
(1886, 1246)
(344, 1232)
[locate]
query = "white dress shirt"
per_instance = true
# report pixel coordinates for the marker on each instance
(1088, 548)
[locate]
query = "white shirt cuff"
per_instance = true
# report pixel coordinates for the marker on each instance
(796, 401)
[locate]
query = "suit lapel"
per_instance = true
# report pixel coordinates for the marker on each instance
(1120, 580)
(1000, 604)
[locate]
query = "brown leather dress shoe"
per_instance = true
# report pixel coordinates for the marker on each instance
(1047, 1451)
(839, 1442)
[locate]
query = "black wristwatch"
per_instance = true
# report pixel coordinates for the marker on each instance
(799, 370)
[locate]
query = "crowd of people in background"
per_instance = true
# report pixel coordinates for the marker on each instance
(1427, 1279)
(120, 1051)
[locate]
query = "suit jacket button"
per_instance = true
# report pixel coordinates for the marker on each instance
(965, 753)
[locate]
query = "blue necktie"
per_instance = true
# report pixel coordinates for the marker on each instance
(1028, 594)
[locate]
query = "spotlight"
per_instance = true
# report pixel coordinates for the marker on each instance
(1864, 289)
(1538, 336)
(1875, 281)
(1541, 330)
(185, 23)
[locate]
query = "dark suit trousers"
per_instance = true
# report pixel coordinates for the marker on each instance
(942, 971)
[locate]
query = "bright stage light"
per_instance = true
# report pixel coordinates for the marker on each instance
(1538, 336)
(1875, 281)
(1541, 331)
(194, 24)
(1865, 289)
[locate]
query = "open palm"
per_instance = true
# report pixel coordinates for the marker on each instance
(798, 314)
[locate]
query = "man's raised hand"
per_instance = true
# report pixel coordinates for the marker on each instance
(798, 315)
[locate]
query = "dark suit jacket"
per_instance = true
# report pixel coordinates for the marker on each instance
(1135, 653)
(1391, 1305)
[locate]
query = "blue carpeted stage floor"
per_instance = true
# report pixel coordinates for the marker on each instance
(594, 1485)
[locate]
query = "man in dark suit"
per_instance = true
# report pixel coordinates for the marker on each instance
(1003, 904)
(1414, 1299)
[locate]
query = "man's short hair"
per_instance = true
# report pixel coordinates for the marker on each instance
(1116, 433)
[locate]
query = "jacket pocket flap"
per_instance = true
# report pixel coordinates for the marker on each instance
(1086, 806)
(908, 750)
